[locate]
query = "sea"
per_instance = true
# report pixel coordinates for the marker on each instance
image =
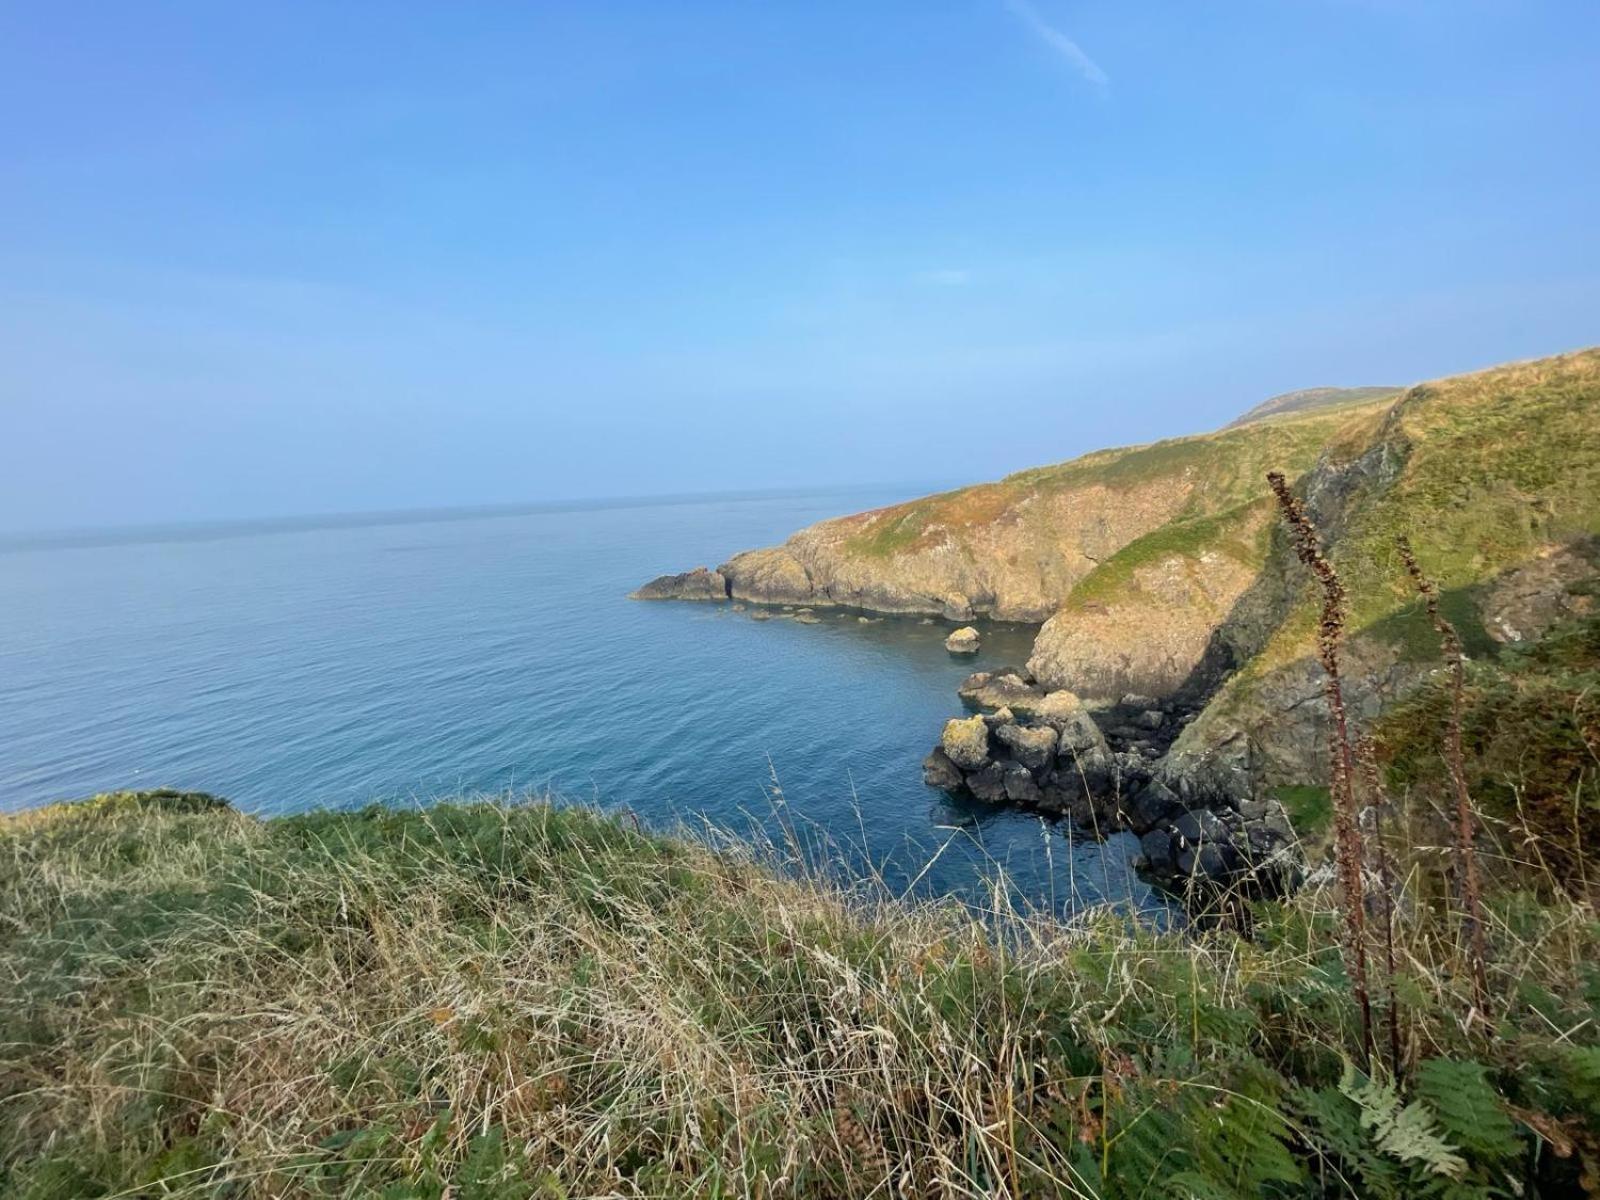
(408, 658)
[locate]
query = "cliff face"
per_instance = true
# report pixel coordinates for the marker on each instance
(1016, 550)
(1161, 569)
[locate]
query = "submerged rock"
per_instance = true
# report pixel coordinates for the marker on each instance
(963, 641)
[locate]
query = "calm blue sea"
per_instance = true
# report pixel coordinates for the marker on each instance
(293, 665)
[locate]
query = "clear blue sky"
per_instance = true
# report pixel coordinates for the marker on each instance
(262, 259)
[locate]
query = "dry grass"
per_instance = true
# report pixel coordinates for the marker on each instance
(510, 999)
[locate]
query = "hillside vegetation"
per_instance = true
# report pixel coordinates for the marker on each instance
(491, 1000)
(1160, 571)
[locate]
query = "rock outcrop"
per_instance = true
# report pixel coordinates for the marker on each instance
(698, 584)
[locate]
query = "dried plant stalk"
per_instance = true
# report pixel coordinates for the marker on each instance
(1346, 829)
(1367, 757)
(1455, 763)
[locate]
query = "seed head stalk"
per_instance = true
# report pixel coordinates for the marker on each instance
(1455, 762)
(1346, 829)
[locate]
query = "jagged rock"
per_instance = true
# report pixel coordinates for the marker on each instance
(1151, 806)
(966, 742)
(1199, 825)
(939, 772)
(698, 584)
(1156, 847)
(963, 641)
(1151, 718)
(988, 783)
(994, 720)
(1005, 688)
(1020, 786)
(1034, 747)
(1077, 730)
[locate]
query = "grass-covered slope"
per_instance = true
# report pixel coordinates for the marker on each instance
(510, 1001)
(1495, 478)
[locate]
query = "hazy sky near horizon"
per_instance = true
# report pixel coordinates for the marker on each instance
(298, 258)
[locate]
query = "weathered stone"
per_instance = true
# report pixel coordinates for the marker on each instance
(1020, 786)
(698, 584)
(1156, 847)
(963, 641)
(770, 576)
(966, 742)
(988, 784)
(1033, 747)
(999, 717)
(939, 772)
(1199, 825)
(1002, 689)
(1151, 806)
(1150, 719)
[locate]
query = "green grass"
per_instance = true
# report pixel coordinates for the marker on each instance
(1228, 533)
(1310, 809)
(497, 1000)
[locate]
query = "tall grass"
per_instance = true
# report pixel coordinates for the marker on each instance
(511, 999)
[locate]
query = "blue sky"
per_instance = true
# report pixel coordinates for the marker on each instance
(293, 258)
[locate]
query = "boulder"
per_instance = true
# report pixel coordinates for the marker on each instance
(1007, 688)
(1151, 718)
(1200, 825)
(1032, 746)
(1156, 847)
(1065, 713)
(998, 718)
(988, 784)
(1151, 806)
(698, 584)
(963, 641)
(1020, 786)
(939, 772)
(966, 742)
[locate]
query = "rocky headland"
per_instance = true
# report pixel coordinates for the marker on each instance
(1160, 572)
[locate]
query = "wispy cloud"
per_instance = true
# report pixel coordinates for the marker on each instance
(1068, 49)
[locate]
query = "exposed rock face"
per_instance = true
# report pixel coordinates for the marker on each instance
(769, 577)
(963, 641)
(698, 584)
(1103, 646)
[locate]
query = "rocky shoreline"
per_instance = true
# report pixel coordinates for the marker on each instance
(1102, 767)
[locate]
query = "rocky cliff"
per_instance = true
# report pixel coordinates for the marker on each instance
(1161, 570)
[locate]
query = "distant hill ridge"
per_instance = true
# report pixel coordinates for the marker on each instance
(1309, 398)
(1161, 570)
